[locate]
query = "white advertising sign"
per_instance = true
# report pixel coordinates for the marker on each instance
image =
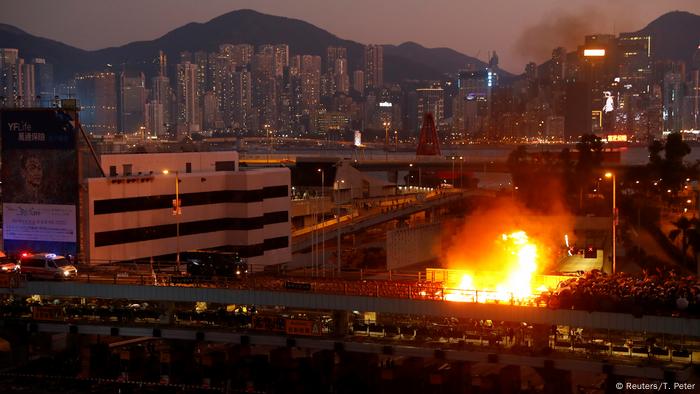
(39, 222)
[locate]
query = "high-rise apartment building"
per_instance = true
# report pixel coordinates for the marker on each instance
(237, 98)
(28, 84)
(281, 58)
(358, 81)
(10, 83)
(264, 86)
(374, 66)
(337, 66)
(310, 83)
(187, 103)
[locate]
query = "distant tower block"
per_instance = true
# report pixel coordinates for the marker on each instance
(428, 142)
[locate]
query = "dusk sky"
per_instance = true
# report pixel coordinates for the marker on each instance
(518, 30)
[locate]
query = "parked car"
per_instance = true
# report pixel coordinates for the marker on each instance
(47, 266)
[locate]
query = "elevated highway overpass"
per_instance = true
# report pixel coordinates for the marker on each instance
(339, 295)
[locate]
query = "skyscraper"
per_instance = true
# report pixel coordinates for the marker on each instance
(264, 86)
(161, 92)
(132, 100)
(97, 93)
(281, 58)
(431, 100)
(201, 59)
(337, 65)
(635, 61)
(43, 76)
(210, 111)
(672, 101)
(374, 66)
(10, 88)
(558, 64)
(237, 97)
(28, 84)
(187, 104)
(358, 81)
(310, 83)
(155, 118)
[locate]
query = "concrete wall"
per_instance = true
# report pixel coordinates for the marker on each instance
(411, 245)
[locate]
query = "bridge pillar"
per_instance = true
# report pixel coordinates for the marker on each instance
(459, 379)
(556, 381)
(393, 176)
(506, 380)
(213, 367)
(95, 360)
(341, 320)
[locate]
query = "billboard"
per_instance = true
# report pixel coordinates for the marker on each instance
(594, 52)
(39, 181)
(358, 138)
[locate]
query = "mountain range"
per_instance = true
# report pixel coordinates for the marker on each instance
(405, 61)
(675, 35)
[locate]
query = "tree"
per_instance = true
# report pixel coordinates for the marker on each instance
(688, 230)
(671, 169)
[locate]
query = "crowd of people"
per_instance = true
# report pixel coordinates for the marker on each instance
(656, 292)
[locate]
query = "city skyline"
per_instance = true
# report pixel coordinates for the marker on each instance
(469, 28)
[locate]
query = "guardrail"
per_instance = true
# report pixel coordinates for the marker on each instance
(379, 288)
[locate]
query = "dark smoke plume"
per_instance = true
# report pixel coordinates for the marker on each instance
(560, 29)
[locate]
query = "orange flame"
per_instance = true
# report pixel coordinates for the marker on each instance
(511, 283)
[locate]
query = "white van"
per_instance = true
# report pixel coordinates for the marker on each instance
(47, 266)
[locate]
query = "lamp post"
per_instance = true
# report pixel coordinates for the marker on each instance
(461, 173)
(177, 211)
(386, 125)
(269, 142)
(323, 228)
(453, 171)
(614, 217)
(337, 204)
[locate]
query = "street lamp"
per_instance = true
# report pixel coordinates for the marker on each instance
(453, 171)
(269, 142)
(461, 174)
(177, 211)
(386, 125)
(323, 219)
(338, 190)
(614, 217)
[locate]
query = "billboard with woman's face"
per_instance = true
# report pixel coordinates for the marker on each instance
(39, 181)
